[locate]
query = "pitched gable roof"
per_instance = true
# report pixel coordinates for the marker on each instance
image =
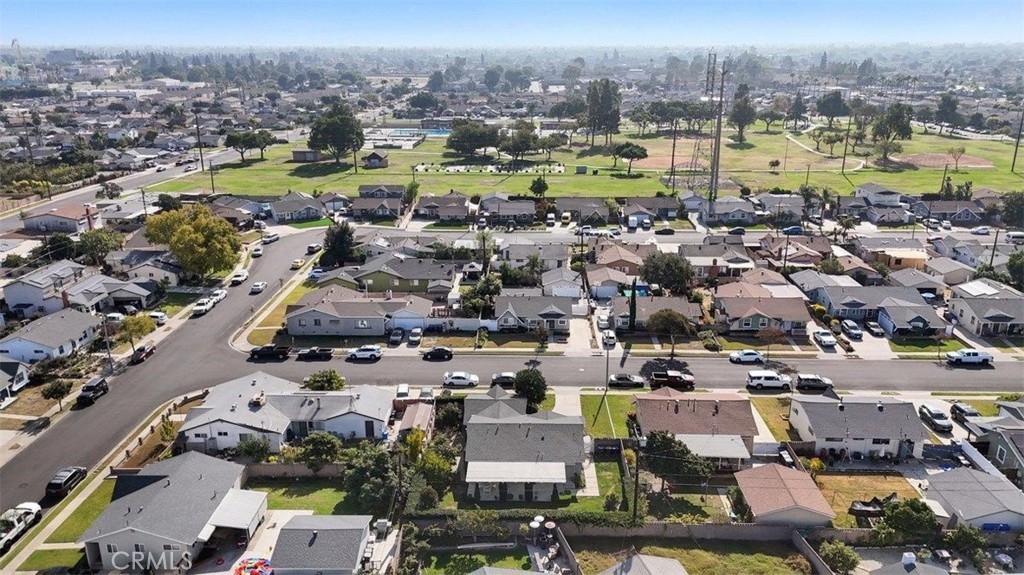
(773, 488)
(688, 413)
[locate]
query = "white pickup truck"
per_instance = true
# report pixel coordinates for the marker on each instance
(965, 356)
(15, 522)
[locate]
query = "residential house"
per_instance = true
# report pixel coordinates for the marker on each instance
(655, 208)
(14, 376)
(562, 282)
(647, 306)
(627, 259)
(261, 405)
(552, 256)
(974, 497)
(375, 159)
(150, 265)
(522, 212)
(717, 426)
(257, 206)
(924, 283)
(42, 290)
(748, 315)
(306, 156)
(958, 212)
(323, 544)
(975, 254)
(909, 566)
(949, 271)
(489, 202)
(869, 426)
(374, 208)
(334, 202)
(863, 303)
(606, 282)
(451, 207)
(729, 211)
(944, 245)
(296, 207)
(716, 262)
(900, 318)
(779, 495)
(859, 270)
(356, 316)
(73, 219)
(474, 404)
(691, 201)
(514, 457)
(764, 277)
(987, 307)
(894, 252)
(393, 191)
(741, 289)
(819, 244)
(528, 313)
(645, 565)
(780, 209)
(885, 206)
(419, 415)
(98, 292)
(398, 273)
(785, 254)
(161, 518)
(1005, 450)
(585, 211)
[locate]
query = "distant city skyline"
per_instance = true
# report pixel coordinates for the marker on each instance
(523, 23)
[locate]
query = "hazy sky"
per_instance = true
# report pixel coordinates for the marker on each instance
(502, 23)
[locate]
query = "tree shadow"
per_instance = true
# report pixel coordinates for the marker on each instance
(649, 136)
(893, 166)
(593, 151)
(239, 164)
(629, 176)
(459, 564)
(740, 145)
(320, 170)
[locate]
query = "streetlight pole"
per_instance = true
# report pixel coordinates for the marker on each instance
(636, 476)
(607, 359)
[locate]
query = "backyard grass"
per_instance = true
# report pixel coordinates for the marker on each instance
(924, 345)
(689, 507)
(840, 490)
(52, 560)
(175, 302)
(596, 411)
(775, 413)
(276, 316)
(75, 525)
(462, 562)
(320, 495)
(707, 557)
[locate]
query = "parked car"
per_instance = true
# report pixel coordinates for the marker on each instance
(968, 356)
(315, 354)
(258, 287)
(298, 263)
(202, 307)
(980, 231)
(746, 356)
(761, 379)
(672, 378)
(239, 277)
(851, 329)
(92, 391)
(504, 379)
(313, 248)
(142, 352)
(218, 295)
(278, 352)
(626, 380)
(824, 338)
(161, 169)
(603, 322)
(793, 231)
(460, 379)
(608, 338)
(416, 336)
(128, 309)
(935, 418)
(114, 317)
(874, 328)
(257, 251)
(396, 337)
(316, 273)
(960, 411)
(812, 381)
(440, 353)
(64, 481)
(665, 231)
(737, 231)
(158, 317)
(16, 521)
(371, 352)
(947, 225)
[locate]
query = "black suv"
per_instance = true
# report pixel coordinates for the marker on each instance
(397, 335)
(961, 411)
(64, 481)
(92, 391)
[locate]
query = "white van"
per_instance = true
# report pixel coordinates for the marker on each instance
(271, 237)
(158, 317)
(764, 378)
(566, 218)
(1015, 237)
(403, 391)
(551, 219)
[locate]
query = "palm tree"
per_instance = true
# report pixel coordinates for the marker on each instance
(534, 266)
(827, 196)
(809, 195)
(846, 223)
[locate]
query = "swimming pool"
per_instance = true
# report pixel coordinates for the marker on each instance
(417, 132)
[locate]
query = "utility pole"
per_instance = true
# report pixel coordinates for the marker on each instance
(846, 144)
(143, 190)
(199, 142)
(716, 157)
(807, 178)
(992, 256)
(1016, 146)
(672, 165)
(636, 482)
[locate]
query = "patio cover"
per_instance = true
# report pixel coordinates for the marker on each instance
(237, 510)
(515, 472)
(716, 446)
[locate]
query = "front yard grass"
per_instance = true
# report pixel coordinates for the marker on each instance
(453, 340)
(1006, 344)
(598, 408)
(510, 341)
(775, 413)
(31, 401)
(707, 557)
(175, 302)
(321, 223)
(53, 560)
(984, 407)
(321, 495)
(13, 424)
(924, 345)
(462, 562)
(840, 490)
(641, 341)
(548, 404)
(276, 316)
(75, 525)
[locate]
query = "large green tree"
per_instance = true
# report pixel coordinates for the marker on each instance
(339, 245)
(946, 112)
(371, 477)
(832, 106)
(797, 109)
(55, 247)
(242, 142)
(669, 322)
(742, 115)
(530, 383)
(96, 244)
(324, 380)
(630, 152)
(839, 556)
(666, 456)
(891, 125)
(135, 327)
(58, 390)
(1013, 209)
(201, 242)
(670, 271)
(320, 448)
(467, 137)
(338, 133)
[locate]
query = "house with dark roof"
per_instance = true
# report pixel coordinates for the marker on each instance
(924, 283)
(476, 403)
(522, 212)
(261, 405)
(398, 273)
(717, 426)
(864, 302)
(728, 211)
(552, 256)
(781, 209)
(1005, 450)
(296, 207)
(509, 456)
(957, 212)
(639, 564)
(779, 495)
(348, 316)
(713, 262)
(985, 500)
(13, 376)
(869, 426)
(660, 207)
(451, 207)
(59, 334)
(375, 208)
(375, 159)
(748, 315)
(987, 307)
(393, 191)
(584, 211)
(901, 318)
(152, 265)
(885, 205)
(334, 202)
(169, 511)
(647, 306)
(949, 271)
(325, 544)
(528, 313)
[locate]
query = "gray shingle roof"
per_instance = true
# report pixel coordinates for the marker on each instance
(475, 404)
(174, 498)
(534, 307)
(541, 437)
(871, 297)
(406, 267)
(321, 542)
(974, 494)
(57, 328)
(909, 277)
(946, 265)
(46, 275)
(905, 316)
(860, 417)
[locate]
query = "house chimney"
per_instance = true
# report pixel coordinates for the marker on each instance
(677, 406)
(715, 412)
(64, 298)
(88, 217)
(880, 407)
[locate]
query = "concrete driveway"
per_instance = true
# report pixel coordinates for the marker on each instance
(872, 347)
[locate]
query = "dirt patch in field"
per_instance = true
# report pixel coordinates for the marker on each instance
(940, 160)
(663, 161)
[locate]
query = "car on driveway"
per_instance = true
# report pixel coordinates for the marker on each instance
(396, 337)
(626, 380)
(316, 273)
(142, 352)
(92, 391)
(746, 356)
(503, 379)
(158, 317)
(608, 338)
(439, 353)
(812, 382)
(851, 329)
(416, 336)
(64, 481)
(239, 277)
(460, 379)
(824, 338)
(258, 287)
(935, 418)
(371, 352)
(874, 328)
(960, 411)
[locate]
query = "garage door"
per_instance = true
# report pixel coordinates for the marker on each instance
(407, 322)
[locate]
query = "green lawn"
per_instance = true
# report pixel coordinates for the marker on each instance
(321, 223)
(276, 316)
(75, 525)
(596, 410)
(924, 345)
(548, 404)
(707, 557)
(840, 490)
(460, 563)
(52, 560)
(321, 495)
(690, 507)
(608, 481)
(175, 302)
(984, 407)
(775, 413)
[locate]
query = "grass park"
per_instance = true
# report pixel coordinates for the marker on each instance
(742, 164)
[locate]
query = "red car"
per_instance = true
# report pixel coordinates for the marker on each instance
(142, 352)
